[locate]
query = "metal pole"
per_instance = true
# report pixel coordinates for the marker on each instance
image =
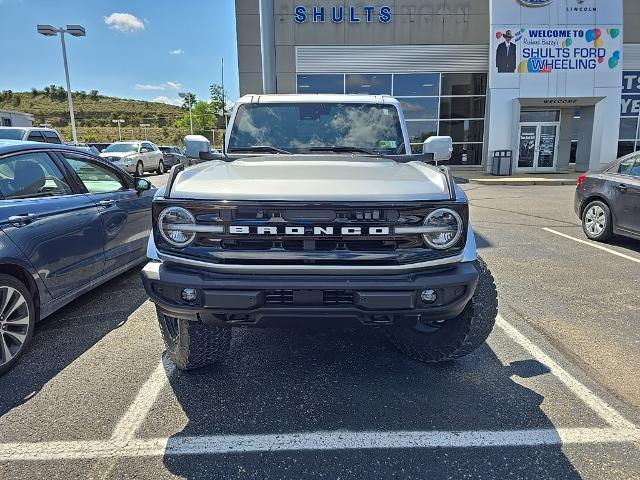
(224, 98)
(190, 117)
(119, 132)
(66, 74)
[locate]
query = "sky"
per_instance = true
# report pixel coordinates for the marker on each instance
(142, 49)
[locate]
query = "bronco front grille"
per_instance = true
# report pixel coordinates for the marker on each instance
(329, 297)
(244, 241)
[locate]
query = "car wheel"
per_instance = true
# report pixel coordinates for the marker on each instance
(139, 169)
(597, 222)
(17, 318)
(192, 344)
(161, 169)
(441, 341)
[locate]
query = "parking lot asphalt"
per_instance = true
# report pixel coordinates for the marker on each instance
(552, 395)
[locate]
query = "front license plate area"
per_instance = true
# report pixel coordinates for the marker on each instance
(307, 297)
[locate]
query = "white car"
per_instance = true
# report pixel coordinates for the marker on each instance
(31, 134)
(135, 157)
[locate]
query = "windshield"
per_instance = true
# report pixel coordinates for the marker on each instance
(11, 133)
(122, 147)
(297, 127)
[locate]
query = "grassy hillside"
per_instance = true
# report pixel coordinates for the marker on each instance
(94, 114)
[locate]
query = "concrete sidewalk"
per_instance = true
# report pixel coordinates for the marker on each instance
(482, 178)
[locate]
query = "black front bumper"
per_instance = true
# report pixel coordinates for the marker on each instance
(285, 300)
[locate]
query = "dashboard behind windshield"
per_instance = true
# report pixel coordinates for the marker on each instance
(296, 127)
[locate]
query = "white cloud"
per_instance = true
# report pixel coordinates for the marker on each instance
(159, 86)
(124, 22)
(177, 51)
(170, 101)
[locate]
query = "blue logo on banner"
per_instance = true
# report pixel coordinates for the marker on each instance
(535, 3)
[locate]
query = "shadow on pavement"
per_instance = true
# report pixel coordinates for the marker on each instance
(287, 381)
(62, 337)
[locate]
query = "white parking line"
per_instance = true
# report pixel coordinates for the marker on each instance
(141, 406)
(305, 441)
(605, 411)
(593, 244)
(123, 444)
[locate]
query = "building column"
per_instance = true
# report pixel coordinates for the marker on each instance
(585, 138)
(564, 144)
(267, 46)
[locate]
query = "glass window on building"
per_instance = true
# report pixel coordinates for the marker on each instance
(321, 83)
(368, 84)
(416, 85)
(629, 139)
(433, 104)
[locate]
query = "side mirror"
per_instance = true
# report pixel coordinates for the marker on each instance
(142, 185)
(210, 156)
(440, 147)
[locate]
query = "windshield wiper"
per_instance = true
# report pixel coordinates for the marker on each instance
(259, 148)
(342, 148)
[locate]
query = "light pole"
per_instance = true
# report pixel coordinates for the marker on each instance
(119, 122)
(76, 31)
(145, 125)
(188, 97)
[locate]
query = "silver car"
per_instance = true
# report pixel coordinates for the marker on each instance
(135, 157)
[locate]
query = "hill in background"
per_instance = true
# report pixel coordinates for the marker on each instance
(94, 114)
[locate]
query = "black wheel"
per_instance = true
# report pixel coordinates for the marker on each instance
(139, 169)
(17, 318)
(192, 344)
(161, 169)
(441, 341)
(597, 222)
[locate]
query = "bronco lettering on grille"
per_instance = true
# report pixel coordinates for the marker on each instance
(298, 230)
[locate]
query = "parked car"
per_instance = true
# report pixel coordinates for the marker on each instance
(69, 221)
(342, 231)
(174, 155)
(99, 146)
(135, 157)
(608, 202)
(32, 134)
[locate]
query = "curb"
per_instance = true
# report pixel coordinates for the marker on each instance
(523, 181)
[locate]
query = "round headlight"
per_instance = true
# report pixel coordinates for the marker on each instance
(443, 228)
(171, 223)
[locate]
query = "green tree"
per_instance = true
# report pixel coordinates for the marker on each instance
(190, 97)
(93, 94)
(34, 92)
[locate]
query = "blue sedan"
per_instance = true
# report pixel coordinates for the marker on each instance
(69, 221)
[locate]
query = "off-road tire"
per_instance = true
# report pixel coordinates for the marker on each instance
(139, 169)
(607, 233)
(459, 336)
(161, 168)
(196, 345)
(9, 281)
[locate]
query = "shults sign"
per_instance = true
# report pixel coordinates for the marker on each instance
(340, 14)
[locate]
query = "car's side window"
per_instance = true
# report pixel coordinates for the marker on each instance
(31, 175)
(625, 167)
(96, 178)
(35, 136)
(635, 171)
(51, 137)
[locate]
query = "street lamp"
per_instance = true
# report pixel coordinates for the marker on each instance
(76, 31)
(119, 122)
(145, 125)
(188, 97)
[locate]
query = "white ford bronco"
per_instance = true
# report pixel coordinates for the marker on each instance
(318, 213)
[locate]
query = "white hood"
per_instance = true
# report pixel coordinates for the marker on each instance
(120, 155)
(312, 178)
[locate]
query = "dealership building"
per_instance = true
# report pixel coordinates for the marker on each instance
(547, 83)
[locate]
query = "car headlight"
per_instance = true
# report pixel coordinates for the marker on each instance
(174, 223)
(442, 228)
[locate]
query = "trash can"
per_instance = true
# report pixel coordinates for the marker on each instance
(502, 165)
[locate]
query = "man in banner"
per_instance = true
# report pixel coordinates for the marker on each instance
(506, 54)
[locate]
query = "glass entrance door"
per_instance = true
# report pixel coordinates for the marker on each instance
(538, 147)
